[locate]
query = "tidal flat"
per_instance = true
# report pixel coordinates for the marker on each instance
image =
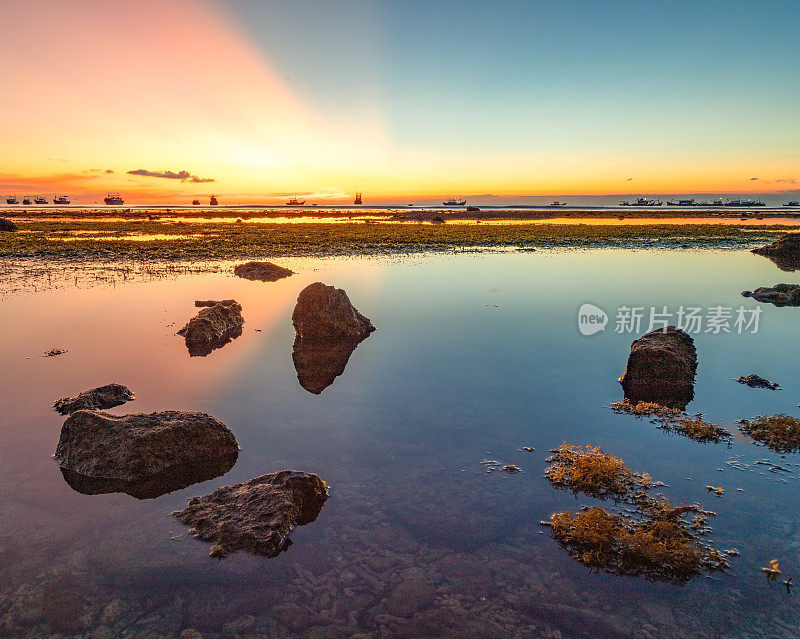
(477, 356)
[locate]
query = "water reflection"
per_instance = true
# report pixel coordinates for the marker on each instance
(167, 481)
(319, 362)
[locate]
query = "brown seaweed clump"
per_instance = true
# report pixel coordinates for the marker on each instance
(593, 472)
(780, 433)
(674, 420)
(658, 548)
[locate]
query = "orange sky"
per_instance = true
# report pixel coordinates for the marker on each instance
(94, 89)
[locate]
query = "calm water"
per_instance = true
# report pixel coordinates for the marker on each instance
(476, 355)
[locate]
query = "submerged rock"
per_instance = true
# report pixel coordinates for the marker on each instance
(7, 225)
(213, 327)
(262, 271)
(328, 330)
(137, 453)
(779, 295)
(98, 398)
(256, 516)
(661, 369)
(756, 381)
(784, 252)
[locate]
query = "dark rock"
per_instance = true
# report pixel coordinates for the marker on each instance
(98, 398)
(7, 225)
(212, 328)
(324, 312)
(778, 295)
(256, 516)
(133, 453)
(202, 303)
(262, 271)
(756, 381)
(328, 331)
(784, 252)
(661, 369)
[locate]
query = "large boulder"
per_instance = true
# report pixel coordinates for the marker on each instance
(7, 225)
(98, 398)
(328, 329)
(213, 327)
(661, 369)
(325, 312)
(785, 252)
(779, 295)
(262, 271)
(256, 516)
(141, 454)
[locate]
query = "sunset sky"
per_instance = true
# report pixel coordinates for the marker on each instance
(401, 100)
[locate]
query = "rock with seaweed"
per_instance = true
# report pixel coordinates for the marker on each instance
(784, 252)
(212, 328)
(779, 433)
(256, 516)
(756, 381)
(136, 453)
(262, 271)
(661, 368)
(778, 295)
(328, 329)
(7, 226)
(98, 398)
(674, 420)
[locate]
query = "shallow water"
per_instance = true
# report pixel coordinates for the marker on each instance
(476, 355)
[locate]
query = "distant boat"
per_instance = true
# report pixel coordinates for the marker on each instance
(640, 201)
(26, 200)
(682, 203)
(113, 198)
(60, 199)
(792, 203)
(213, 201)
(454, 202)
(12, 199)
(195, 202)
(717, 202)
(738, 202)
(40, 199)
(557, 203)
(293, 201)
(358, 198)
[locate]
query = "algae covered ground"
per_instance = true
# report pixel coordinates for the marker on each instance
(169, 240)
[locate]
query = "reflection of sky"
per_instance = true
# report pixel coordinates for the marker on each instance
(399, 100)
(474, 356)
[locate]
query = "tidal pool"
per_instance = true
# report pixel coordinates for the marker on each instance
(475, 357)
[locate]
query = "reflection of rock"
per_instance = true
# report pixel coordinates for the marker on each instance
(785, 252)
(779, 295)
(167, 481)
(7, 225)
(319, 362)
(138, 449)
(213, 327)
(328, 330)
(99, 398)
(756, 381)
(263, 271)
(257, 515)
(661, 369)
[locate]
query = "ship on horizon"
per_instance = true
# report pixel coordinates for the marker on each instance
(12, 199)
(682, 203)
(113, 199)
(213, 201)
(40, 199)
(358, 198)
(60, 199)
(557, 203)
(454, 202)
(641, 201)
(792, 203)
(26, 199)
(293, 201)
(738, 202)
